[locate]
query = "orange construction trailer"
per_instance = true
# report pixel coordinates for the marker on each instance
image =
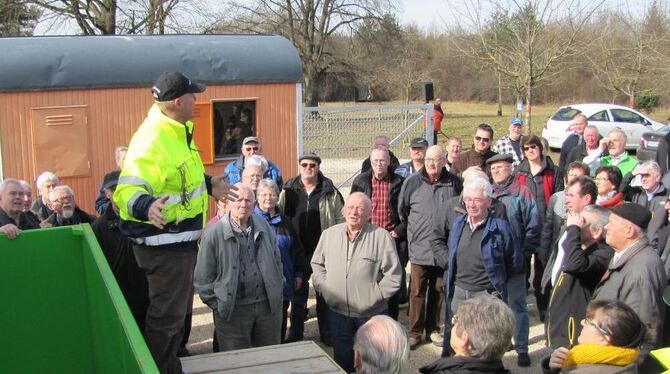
(67, 102)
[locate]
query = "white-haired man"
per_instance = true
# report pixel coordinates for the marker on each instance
(381, 346)
(635, 274)
(12, 217)
(356, 269)
(651, 194)
(483, 254)
(66, 212)
(42, 205)
(615, 144)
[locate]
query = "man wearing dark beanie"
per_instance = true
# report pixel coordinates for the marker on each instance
(635, 275)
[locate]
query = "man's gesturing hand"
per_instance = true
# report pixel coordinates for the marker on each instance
(222, 190)
(156, 216)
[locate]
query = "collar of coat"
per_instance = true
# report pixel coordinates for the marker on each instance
(631, 251)
(255, 222)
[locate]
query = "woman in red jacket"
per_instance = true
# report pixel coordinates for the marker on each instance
(608, 180)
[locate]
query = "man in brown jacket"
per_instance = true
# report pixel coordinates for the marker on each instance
(480, 152)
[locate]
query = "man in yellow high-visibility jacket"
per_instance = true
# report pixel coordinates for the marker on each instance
(162, 200)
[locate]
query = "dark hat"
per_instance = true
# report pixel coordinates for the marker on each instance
(250, 139)
(636, 214)
(516, 121)
(111, 179)
(171, 85)
(500, 157)
(419, 143)
(310, 156)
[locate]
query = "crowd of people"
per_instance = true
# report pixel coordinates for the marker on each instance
(469, 228)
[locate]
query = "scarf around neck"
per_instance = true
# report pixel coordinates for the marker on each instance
(582, 354)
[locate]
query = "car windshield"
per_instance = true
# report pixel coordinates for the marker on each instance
(565, 114)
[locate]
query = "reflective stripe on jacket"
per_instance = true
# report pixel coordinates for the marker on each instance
(159, 162)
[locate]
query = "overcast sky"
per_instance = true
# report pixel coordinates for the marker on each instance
(430, 15)
(438, 14)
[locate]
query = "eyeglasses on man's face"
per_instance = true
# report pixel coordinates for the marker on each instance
(306, 165)
(482, 139)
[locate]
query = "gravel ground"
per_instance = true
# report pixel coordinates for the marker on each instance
(200, 341)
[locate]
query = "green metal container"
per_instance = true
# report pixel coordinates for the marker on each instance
(62, 310)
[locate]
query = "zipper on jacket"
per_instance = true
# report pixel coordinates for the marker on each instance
(551, 298)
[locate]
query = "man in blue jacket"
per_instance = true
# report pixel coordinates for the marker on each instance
(251, 145)
(483, 253)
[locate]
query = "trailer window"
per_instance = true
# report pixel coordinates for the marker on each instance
(233, 121)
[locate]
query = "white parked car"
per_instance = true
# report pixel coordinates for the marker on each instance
(604, 116)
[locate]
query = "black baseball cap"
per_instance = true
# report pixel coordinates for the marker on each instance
(173, 84)
(418, 143)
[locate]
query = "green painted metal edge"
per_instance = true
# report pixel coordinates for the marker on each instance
(140, 349)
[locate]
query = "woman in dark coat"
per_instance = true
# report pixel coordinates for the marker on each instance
(542, 178)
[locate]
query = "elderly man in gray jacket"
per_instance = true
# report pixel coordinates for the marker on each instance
(239, 275)
(420, 196)
(635, 275)
(356, 270)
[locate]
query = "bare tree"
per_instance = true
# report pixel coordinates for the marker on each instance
(17, 18)
(628, 52)
(534, 40)
(309, 24)
(106, 17)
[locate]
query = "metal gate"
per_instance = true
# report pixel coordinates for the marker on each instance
(343, 136)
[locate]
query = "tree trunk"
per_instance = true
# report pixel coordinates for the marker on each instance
(311, 87)
(529, 100)
(499, 113)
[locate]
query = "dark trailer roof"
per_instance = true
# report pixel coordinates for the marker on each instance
(66, 62)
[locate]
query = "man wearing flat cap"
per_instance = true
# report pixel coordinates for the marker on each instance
(312, 203)
(162, 200)
(524, 218)
(635, 274)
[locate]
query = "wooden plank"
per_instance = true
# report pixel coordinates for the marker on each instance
(299, 357)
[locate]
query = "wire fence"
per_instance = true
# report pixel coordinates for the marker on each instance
(343, 136)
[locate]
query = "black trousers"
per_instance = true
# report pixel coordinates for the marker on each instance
(170, 278)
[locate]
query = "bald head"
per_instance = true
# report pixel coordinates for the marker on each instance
(357, 210)
(435, 160)
(381, 346)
